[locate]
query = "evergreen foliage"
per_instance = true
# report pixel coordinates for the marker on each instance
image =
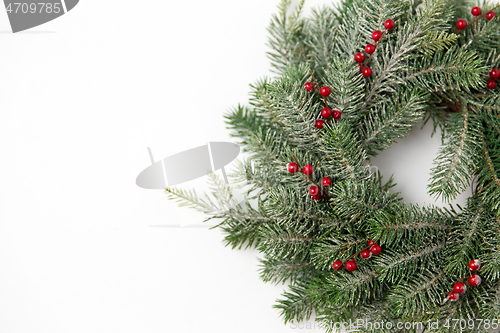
(423, 69)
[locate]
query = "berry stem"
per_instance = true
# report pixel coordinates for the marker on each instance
(371, 55)
(355, 255)
(323, 192)
(477, 18)
(297, 161)
(317, 85)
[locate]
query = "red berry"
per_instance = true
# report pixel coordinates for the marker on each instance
(317, 197)
(308, 169)
(350, 265)
(389, 24)
(320, 123)
(474, 280)
(327, 182)
(459, 288)
(495, 74)
(367, 72)
(366, 254)
(476, 11)
(326, 113)
(474, 265)
(377, 35)
(490, 15)
(293, 167)
(371, 242)
(313, 191)
(453, 296)
(370, 48)
(325, 91)
(376, 249)
(461, 24)
(359, 57)
(336, 114)
(492, 84)
(309, 86)
(337, 265)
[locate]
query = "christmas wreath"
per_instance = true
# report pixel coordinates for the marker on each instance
(350, 81)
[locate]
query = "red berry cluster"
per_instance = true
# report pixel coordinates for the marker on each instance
(370, 48)
(326, 112)
(494, 75)
(315, 191)
(476, 11)
(460, 287)
(350, 265)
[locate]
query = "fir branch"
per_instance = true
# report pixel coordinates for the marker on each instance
(284, 243)
(423, 292)
(485, 36)
(244, 122)
(278, 271)
(357, 203)
(298, 304)
(349, 289)
(451, 175)
(400, 265)
(420, 225)
(323, 38)
(189, 198)
(240, 233)
(342, 152)
(285, 37)
(438, 41)
(490, 303)
(490, 103)
(457, 69)
(296, 210)
(488, 180)
(468, 234)
(410, 37)
(392, 120)
(335, 247)
(344, 81)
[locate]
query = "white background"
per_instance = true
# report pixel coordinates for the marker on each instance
(81, 99)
